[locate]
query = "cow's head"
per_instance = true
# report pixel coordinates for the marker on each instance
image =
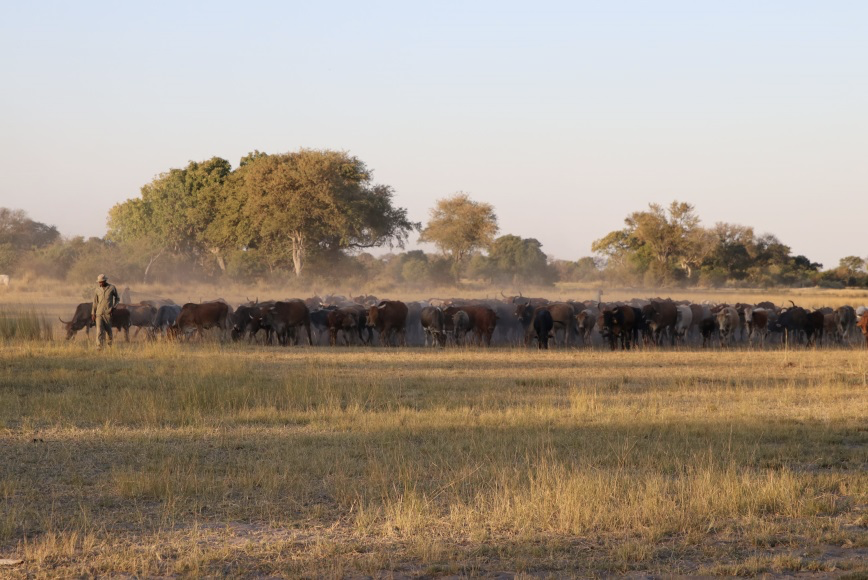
(524, 313)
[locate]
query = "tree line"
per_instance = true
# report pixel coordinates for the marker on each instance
(315, 214)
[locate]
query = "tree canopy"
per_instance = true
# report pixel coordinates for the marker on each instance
(662, 246)
(278, 208)
(459, 225)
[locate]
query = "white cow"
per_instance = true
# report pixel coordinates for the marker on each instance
(728, 321)
(4, 280)
(683, 321)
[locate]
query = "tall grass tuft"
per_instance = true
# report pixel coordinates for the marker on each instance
(24, 325)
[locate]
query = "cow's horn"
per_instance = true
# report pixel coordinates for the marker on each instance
(62, 320)
(793, 303)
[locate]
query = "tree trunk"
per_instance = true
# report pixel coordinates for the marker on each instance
(151, 263)
(220, 261)
(297, 252)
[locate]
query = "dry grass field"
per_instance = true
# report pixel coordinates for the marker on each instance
(158, 459)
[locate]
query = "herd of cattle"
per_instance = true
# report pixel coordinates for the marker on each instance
(513, 320)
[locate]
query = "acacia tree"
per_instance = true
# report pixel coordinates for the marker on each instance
(309, 201)
(660, 240)
(458, 226)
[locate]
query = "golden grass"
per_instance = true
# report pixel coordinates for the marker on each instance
(165, 459)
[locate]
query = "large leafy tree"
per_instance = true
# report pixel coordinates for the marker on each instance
(519, 260)
(662, 240)
(459, 226)
(173, 214)
(315, 201)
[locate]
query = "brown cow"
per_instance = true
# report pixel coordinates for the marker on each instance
(199, 317)
(284, 316)
(389, 317)
(863, 326)
(120, 319)
(345, 320)
(618, 324)
(482, 320)
(660, 316)
(757, 323)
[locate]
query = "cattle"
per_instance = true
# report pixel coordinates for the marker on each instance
(585, 322)
(618, 325)
(543, 324)
(165, 317)
(415, 334)
(481, 319)
(846, 322)
(683, 322)
(199, 317)
(728, 324)
(524, 300)
(389, 317)
(831, 327)
(699, 313)
(792, 322)
(246, 320)
(814, 327)
(141, 316)
(80, 319)
(344, 321)
(757, 323)
(4, 280)
(120, 319)
(509, 329)
(707, 327)
(863, 325)
(285, 317)
(460, 326)
(250, 318)
(563, 317)
(434, 323)
(660, 316)
(319, 321)
(366, 300)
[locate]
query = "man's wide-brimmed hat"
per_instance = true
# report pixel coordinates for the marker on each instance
(101, 278)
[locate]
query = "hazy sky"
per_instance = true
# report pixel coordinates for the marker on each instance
(566, 116)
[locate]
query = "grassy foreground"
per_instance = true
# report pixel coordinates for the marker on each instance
(158, 459)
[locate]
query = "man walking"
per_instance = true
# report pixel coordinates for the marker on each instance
(104, 301)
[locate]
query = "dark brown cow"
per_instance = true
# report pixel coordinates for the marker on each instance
(120, 319)
(482, 320)
(344, 320)
(389, 317)
(80, 319)
(660, 316)
(618, 324)
(286, 316)
(199, 317)
(816, 324)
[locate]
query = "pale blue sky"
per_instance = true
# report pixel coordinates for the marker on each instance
(566, 116)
